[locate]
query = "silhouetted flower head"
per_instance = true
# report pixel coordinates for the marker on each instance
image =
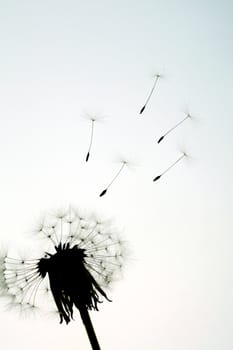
(82, 257)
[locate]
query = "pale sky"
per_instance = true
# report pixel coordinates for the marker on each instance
(61, 59)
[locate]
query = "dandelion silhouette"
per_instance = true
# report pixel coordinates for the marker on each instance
(124, 163)
(173, 128)
(157, 76)
(170, 167)
(83, 257)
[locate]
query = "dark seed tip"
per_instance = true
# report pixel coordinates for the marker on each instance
(157, 178)
(161, 138)
(143, 108)
(87, 157)
(103, 192)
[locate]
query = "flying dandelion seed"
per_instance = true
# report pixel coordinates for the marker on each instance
(170, 167)
(173, 128)
(124, 163)
(84, 256)
(93, 119)
(157, 76)
(91, 139)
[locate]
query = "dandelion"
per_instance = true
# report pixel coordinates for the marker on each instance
(123, 164)
(188, 116)
(157, 76)
(84, 256)
(170, 167)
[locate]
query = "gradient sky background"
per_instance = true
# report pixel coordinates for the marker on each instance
(60, 59)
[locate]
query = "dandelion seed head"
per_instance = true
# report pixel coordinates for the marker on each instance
(81, 251)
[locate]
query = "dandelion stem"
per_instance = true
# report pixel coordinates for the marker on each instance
(61, 233)
(173, 128)
(92, 132)
(89, 328)
(150, 94)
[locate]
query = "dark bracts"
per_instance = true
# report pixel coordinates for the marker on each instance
(70, 282)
